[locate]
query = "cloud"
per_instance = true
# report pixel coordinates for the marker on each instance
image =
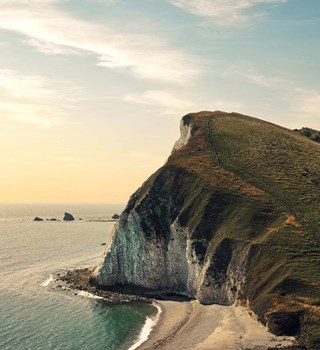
(49, 48)
(224, 12)
(52, 31)
(170, 103)
(254, 77)
(33, 99)
(302, 102)
(167, 101)
(301, 105)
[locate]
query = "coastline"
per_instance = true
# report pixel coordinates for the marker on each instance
(77, 281)
(192, 326)
(149, 324)
(183, 325)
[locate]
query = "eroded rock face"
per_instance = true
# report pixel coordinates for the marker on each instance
(163, 245)
(152, 252)
(185, 130)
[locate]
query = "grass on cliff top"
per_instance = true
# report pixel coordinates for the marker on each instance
(258, 159)
(268, 178)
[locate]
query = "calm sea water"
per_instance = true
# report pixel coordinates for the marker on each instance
(32, 316)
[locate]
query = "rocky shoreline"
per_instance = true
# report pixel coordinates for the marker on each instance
(76, 280)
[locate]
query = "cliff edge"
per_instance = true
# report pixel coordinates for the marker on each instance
(231, 218)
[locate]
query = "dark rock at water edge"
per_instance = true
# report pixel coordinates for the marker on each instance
(68, 217)
(116, 217)
(37, 219)
(80, 280)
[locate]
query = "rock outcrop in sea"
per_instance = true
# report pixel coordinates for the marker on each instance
(231, 218)
(68, 217)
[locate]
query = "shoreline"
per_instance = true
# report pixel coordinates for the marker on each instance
(149, 325)
(186, 325)
(189, 325)
(77, 282)
(174, 316)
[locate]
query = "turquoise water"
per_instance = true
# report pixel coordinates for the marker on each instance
(32, 316)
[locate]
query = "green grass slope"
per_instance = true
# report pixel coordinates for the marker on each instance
(258, 183)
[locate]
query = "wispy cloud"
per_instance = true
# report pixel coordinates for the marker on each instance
(173, 103)
(302, 105)
(53, 31)
(33, 99)
(224, 12)
(49, 48)
(254, 77)
(167, 101)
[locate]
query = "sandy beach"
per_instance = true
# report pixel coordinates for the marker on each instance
(192, 326)
(184, 325)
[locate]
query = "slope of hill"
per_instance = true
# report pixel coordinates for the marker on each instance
(232, 217)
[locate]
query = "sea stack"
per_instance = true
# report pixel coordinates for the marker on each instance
(232, 218)
(68, 217)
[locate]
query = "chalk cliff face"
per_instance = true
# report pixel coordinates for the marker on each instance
(232, 217)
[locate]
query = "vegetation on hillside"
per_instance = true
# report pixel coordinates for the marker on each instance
(310, 133)
(261, 186)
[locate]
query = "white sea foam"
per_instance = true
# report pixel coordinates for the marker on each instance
(147, 328)
(47, 282)
(88, 295)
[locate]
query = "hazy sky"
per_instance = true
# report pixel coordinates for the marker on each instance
(92, 91)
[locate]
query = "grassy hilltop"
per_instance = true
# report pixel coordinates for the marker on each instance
(262, 185)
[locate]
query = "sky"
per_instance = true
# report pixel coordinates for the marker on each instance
(92, 91)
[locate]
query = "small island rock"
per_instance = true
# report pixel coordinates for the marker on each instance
(115, 217)
(68, 217)
(37, 219)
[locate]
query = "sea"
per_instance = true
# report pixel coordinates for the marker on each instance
(33, 316)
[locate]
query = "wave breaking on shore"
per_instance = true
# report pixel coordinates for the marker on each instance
(147, 328)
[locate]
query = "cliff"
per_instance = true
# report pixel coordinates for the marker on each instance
(231, 218)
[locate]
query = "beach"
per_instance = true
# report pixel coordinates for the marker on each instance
(185, 325)
(192, 326)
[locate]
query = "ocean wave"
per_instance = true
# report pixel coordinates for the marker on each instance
(88, 295)
(147, 328)
(47, 282)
